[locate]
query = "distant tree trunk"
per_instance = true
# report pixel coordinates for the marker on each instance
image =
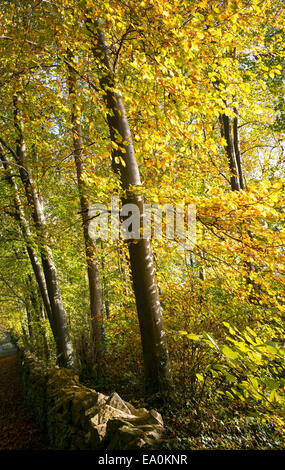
(230, 132)
(237, 150)
(202, 274)
(45, 337)
(30, 310)
(29, 319)
(38, 315)
(27, 236)
(157, 369)
(227, 133)
(95, 290)
(65, 358)
(105, 290)
(122, 271)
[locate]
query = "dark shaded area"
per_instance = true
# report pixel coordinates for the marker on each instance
(17, 429)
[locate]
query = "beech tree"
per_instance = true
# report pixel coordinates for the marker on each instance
(55, 305)
(158, 102)
(96, 301)
(156, 360)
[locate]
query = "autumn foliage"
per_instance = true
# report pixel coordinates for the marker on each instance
(199, 87)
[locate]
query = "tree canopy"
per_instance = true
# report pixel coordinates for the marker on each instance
(156, 102)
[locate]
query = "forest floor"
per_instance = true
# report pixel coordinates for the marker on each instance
(17, 429)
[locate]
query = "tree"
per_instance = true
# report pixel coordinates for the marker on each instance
(156, 361)
(95, 290)
(64, 348)
(182, 101)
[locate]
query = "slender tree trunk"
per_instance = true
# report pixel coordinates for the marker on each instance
(231, 134)
(27, 236)
(105, 290)
(30, 325)
(65, 358)
(45, 337)
(227, 133)
(157, 369)
(202, 273)
(38, 315)
(95, 290)
(237, 150)
(122, 271)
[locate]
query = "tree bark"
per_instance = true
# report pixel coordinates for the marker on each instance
(158, 379)
(64, 346)
(38, 314)
(231, 134)
(227, 133)
(29, 319)
(95, 290)
(237, 150)
(27, 236)
(105, 290)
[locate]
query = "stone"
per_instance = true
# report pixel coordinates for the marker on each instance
(126, 437)
(144, 417)
(157, 416)
(116, 402)
(81, 401)
(96, 436)
(101, 400)
(77, 417)
(107, 412)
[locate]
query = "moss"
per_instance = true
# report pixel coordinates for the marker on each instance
(77, 417)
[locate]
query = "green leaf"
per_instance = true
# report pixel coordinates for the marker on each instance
(231, 378)
(212, 341)
(228, 326)
(230, 353)
(193, 337)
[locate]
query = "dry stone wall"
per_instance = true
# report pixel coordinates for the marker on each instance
(77, 417)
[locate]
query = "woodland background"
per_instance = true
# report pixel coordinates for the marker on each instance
(172, 101)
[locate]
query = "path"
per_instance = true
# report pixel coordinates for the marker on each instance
(17, 429)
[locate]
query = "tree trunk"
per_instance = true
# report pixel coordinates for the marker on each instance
(95, 290)
(45, 337)
(27, 236)
(105, 290)
(65, 357)
(227, 133)
(157, 369)
(30, 325)
(231, 134)
(41, 337)
(237, 150)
